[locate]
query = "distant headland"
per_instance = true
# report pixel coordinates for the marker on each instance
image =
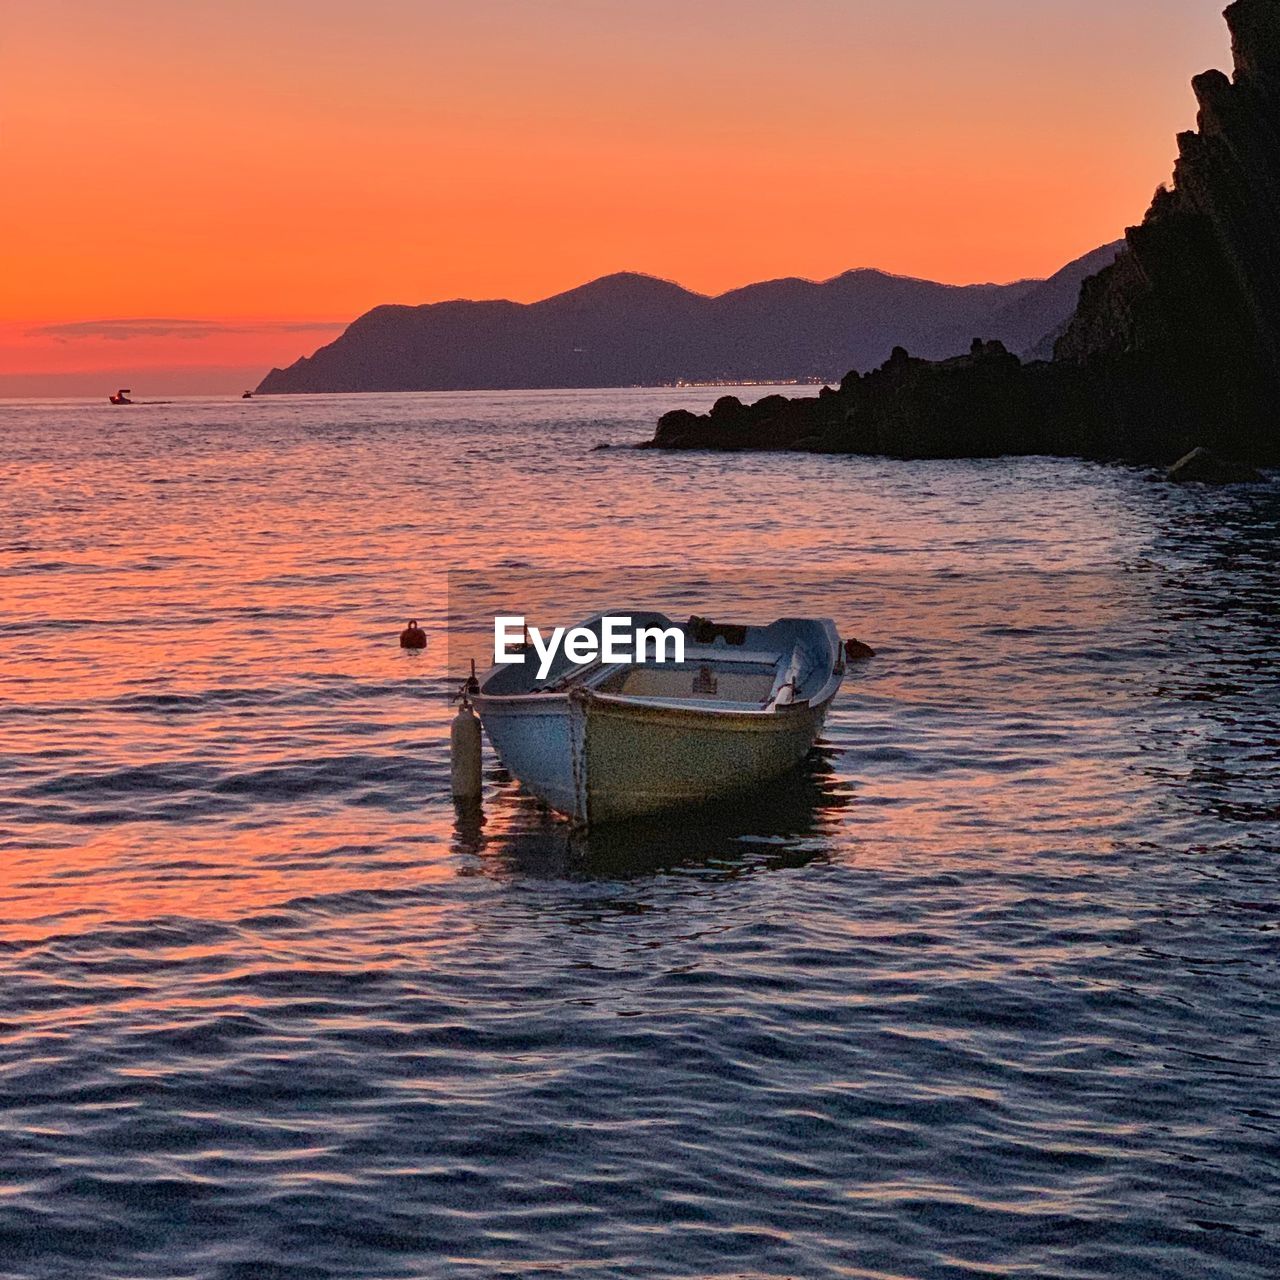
(1173, 346)
(635, 330)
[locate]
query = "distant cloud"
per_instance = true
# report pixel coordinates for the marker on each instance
(127, 330)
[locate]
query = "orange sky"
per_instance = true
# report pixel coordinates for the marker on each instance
(259, 167)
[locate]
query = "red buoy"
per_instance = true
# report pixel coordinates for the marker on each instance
(413, 636)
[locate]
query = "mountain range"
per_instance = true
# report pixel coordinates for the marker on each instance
(636, 330)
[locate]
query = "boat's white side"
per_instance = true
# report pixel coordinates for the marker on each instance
(599, 757)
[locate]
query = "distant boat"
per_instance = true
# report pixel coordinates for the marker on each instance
(602, 742)
(246, 395)
(121, 396)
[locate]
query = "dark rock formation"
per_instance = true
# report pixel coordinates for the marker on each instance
(1176, 344)
(626, 330)
(1194, 300)
(984, 404)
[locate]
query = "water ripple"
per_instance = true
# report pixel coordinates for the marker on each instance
(987, 990)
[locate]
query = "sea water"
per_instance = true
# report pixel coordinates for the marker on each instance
(988, 989)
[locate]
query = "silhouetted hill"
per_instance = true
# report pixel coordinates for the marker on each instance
(629, 329)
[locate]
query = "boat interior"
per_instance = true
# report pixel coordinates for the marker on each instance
(707, 682)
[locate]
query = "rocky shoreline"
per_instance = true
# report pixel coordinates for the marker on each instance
(1176, 346)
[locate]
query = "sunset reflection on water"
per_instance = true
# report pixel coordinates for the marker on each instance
(265, 981)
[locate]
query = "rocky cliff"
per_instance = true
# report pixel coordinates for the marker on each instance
(1176, 344)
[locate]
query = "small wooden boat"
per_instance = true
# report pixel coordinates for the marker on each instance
(121, 397)
(600, 742)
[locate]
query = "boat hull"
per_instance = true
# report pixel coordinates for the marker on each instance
(598, 759)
